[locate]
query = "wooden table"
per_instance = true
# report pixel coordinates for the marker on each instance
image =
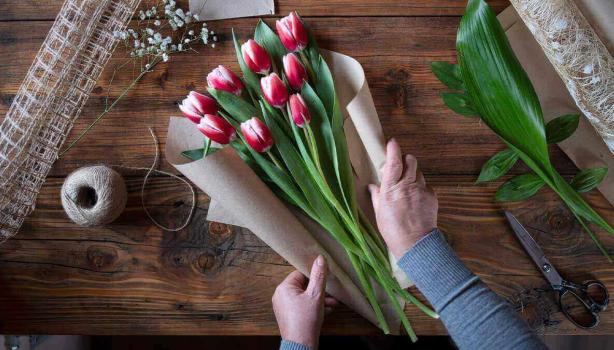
(130, 277)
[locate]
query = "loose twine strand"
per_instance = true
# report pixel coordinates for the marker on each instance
(92, 176)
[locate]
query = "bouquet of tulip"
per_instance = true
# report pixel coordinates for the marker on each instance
(283, 118)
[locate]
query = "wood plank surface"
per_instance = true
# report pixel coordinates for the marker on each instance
(130, 277)
(405, 92)
(48, 9)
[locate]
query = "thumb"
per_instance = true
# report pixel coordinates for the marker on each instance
(374, 190)
(317, 278)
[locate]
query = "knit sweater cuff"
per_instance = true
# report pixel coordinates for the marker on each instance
(435, 269)
(290, 345)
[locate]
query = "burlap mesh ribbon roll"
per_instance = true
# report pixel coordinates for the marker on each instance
(578, 55)
(51, 97)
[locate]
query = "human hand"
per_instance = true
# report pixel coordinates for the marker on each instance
(405, 207)
(299, 305)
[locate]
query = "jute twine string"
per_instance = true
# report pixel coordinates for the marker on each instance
(97, 195)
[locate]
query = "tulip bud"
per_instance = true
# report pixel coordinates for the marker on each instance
(295, 71)
(196, 105)
(257, 135)
(256, 57)
(292, 32)
(222, 78)
(274, 90)
(299, 110)
(217, 129)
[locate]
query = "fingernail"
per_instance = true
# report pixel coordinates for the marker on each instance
(320, 260)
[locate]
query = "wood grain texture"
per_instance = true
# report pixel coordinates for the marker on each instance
(405, 92)
(130, 277)
(48, 9)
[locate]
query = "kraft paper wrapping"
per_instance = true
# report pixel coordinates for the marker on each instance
(239, 197)
(585, 147)
(221, 9)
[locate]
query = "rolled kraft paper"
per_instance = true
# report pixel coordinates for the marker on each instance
(228, 180)
(93, 196)
(585, 147)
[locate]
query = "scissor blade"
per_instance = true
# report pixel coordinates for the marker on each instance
(534, 251)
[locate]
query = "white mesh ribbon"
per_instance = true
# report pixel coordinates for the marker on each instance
(51, 97)
(578, 55)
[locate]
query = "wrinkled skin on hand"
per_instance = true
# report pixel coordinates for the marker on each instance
(405, 207)
(299, 305)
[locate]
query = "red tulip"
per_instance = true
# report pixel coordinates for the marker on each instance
(299, 110)
(217, 129)
(292, 32)
(257, 135)
(196, 105)
(274, 90)
(295, 71)
(222, 78)
(256, 57)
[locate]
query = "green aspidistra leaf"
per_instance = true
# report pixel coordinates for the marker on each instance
(588, 179)
(498, 165)
(519, 188)
(448, 74)
(560, 128)
(267, 38)
(239, 109)
(498, 87)
(459, 103)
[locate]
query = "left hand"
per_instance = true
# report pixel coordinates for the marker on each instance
(299, 305)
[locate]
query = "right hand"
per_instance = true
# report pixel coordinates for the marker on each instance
(405, 207)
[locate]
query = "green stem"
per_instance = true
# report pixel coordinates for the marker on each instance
(107, 110)
(275, 160)
(307, 65)
(370, 294)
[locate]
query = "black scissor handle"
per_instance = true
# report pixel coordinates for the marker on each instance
(591, 295)
(588, 319)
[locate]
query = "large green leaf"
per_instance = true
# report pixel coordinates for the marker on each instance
(448, 74)
(459, 103)
(519, 188)
(501, 92)
(498, 165)
(588, 179)
(560, 128)
(498, 87)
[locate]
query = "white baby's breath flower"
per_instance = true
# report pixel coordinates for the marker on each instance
(165, 57)
(157, 23)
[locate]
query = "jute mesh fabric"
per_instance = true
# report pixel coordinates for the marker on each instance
(578, 55)
(51, 97)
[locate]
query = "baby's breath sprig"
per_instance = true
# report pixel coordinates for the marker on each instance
(162, 30)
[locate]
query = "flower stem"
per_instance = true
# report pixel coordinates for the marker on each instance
(307, 64)
(107, 110)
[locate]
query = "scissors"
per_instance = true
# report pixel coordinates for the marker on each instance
(580, 303)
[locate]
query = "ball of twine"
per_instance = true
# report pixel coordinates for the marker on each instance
(94, 195)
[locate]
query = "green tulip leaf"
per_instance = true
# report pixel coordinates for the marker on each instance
(459, 103)
(588, 179)
(267, 38)
(251, 79)
(448, 74)
(519, 188)
(198, 153)
(239, 109)
(498, 165)
(560, 128)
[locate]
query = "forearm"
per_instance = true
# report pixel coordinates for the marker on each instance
(290, 345)
(475, 317)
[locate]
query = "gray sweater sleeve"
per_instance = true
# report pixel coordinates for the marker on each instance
(475, 317)
(290, 345)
